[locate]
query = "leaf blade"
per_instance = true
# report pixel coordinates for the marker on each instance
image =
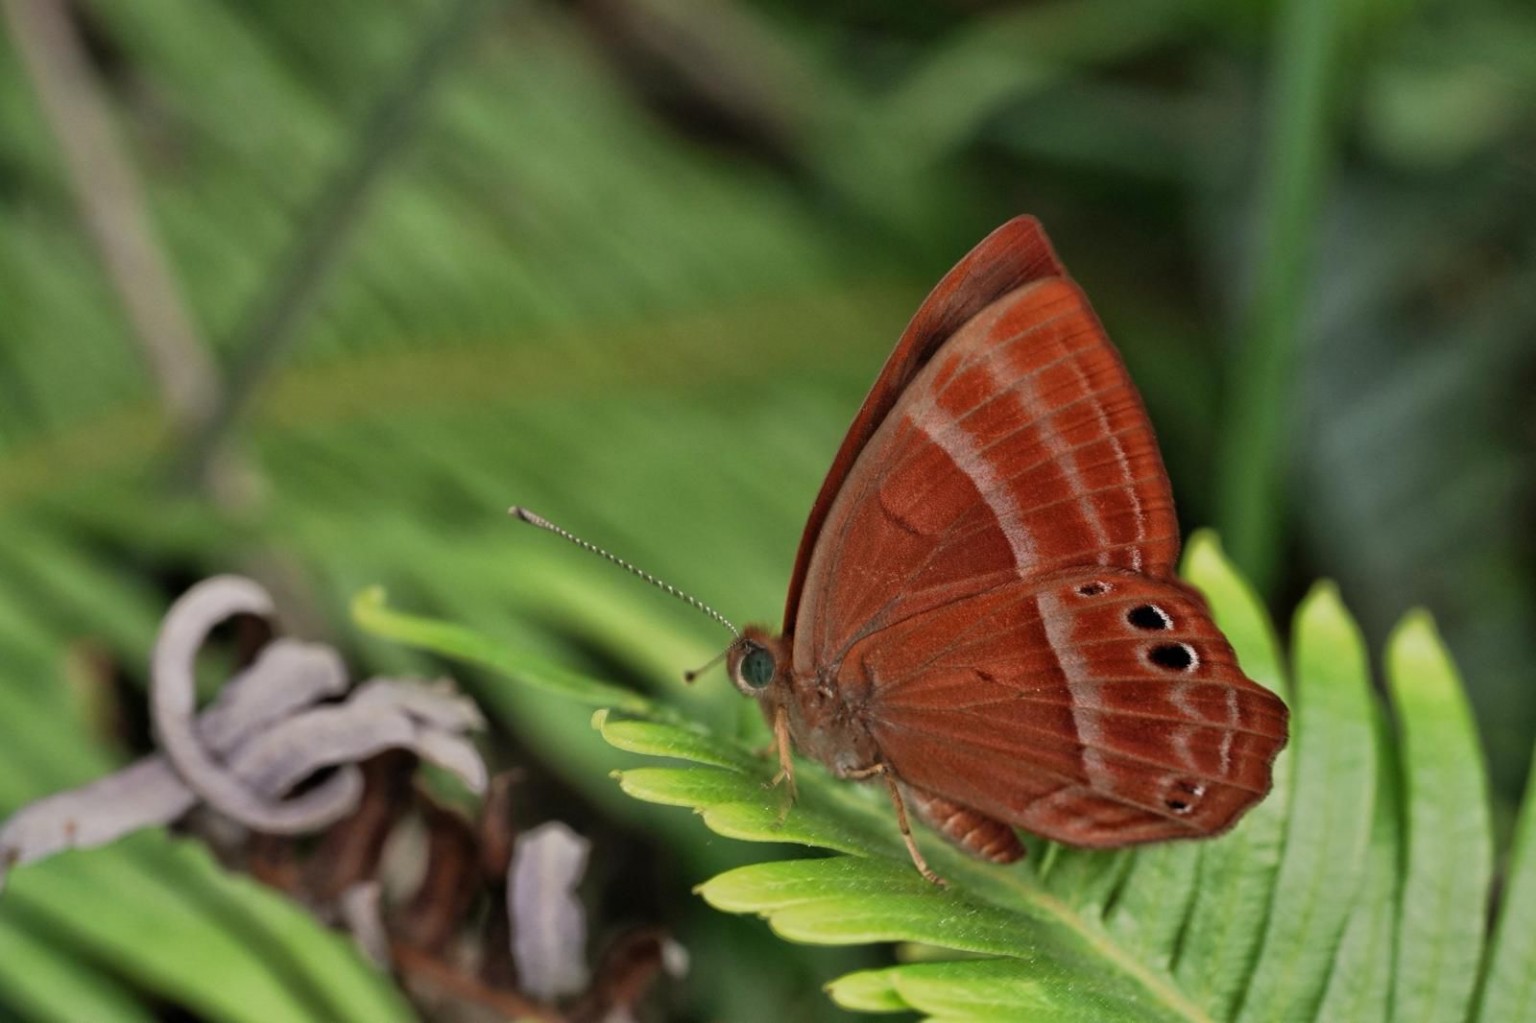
(1449, 850)
(1508, 989)
(1332, 783)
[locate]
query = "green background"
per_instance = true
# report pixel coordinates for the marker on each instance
(635, 263)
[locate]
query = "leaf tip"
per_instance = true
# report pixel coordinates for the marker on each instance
(1206, 565)
(369, 604)
(1204, 553)
(1416, 650)
(1416, 630)
(1323, 609)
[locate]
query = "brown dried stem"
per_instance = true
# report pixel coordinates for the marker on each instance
(113, 207)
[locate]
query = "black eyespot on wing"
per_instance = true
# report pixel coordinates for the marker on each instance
(1173, 656)
(1092, 589)
(1178, 803)
(1150, 617)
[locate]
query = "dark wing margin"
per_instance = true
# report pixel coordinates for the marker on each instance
(1015, 254)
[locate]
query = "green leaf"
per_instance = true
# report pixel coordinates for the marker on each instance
(370, 611)
(1333, 778)
(652, 738)
(49, 986)
(263, 959)
(1293, 915)
(1448, 845)
(1360, 988)
(979, 990)
(1509, 988)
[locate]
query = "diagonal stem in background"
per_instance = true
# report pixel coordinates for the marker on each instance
(270, 324)
(1252, 461)
(113, 207)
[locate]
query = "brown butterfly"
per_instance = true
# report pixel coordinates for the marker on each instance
(983, 611)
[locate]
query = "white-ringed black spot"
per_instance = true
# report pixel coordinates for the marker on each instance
(1179, 804)
(1173, 656)
(1150, 617)
(1092, 589)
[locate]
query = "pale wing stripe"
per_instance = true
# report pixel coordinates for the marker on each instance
(1027, 399)
(994, 488)
(1233, 714)
(1183, 734)
(1081, 496)
(960, 446)
(975, 355)
(1067, 453)
(1074, 668)
(1054, 457)
(1069, 354)
(1071, 307)
(996, 492)
(962, 449)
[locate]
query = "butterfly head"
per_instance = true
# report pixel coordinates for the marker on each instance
(755, 661)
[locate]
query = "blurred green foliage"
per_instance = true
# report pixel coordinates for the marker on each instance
(1358, 890)
(633, 263)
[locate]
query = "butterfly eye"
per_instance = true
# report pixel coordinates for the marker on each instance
(1150, 617)
(757, 668)
(1174, 656)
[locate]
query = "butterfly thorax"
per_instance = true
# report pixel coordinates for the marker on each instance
(822, 722)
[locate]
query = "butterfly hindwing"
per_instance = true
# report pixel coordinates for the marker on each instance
(1097, 707)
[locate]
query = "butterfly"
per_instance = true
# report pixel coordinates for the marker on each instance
(983, 611)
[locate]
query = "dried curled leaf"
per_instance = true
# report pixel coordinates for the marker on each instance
(549, 926)
(264, 734)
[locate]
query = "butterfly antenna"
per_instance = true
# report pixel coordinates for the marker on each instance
(690, 676)
(519, 512)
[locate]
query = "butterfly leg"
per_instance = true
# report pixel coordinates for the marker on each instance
(786, 774)
(902, 822)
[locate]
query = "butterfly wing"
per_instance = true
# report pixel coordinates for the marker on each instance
(1019, 449)
(1009, 258)
(1096, 707)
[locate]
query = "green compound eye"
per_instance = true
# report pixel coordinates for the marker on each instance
(757, 668)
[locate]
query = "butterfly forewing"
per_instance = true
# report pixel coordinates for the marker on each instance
(1092, 707)
(1015, 254)
(1019, 449)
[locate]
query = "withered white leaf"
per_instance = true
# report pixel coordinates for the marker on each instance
(549, 925)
